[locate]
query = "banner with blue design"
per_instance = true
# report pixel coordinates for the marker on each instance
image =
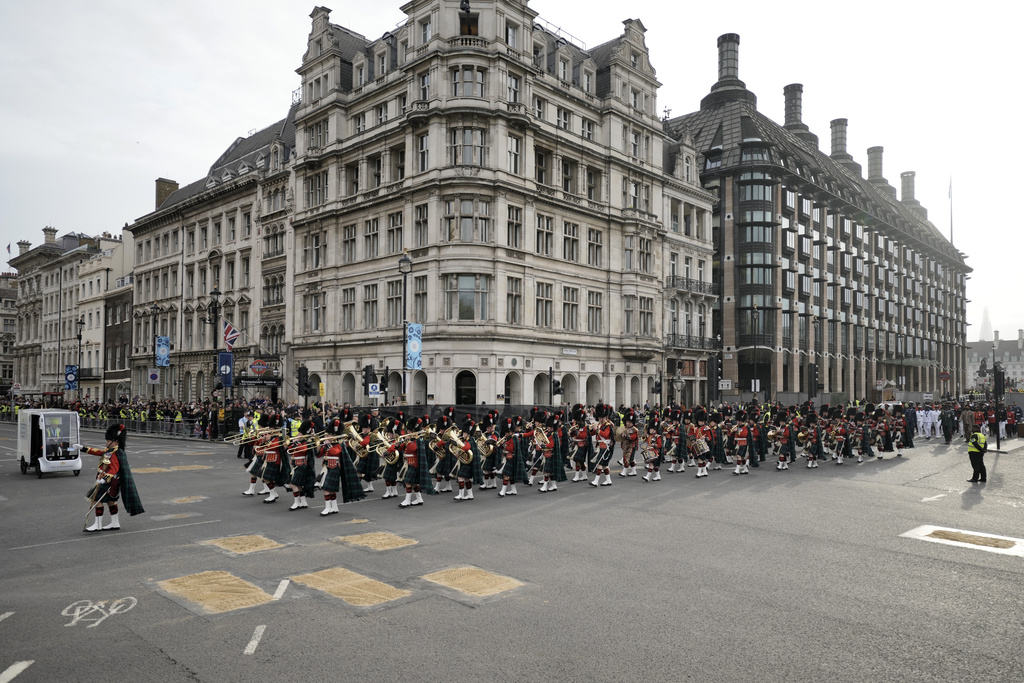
(414, 347)
(70, 377)
(225, 365)
(163, 352)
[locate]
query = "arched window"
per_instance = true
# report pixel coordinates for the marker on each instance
(687, 166)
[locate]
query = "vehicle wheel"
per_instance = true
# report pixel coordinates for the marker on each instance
(39, 471)
(24, 465)
(77, 472)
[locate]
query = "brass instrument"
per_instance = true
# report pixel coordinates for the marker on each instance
(774, 436)
(801, 438)
(440, 446)
(249, 437)
(315, 437)
(620, 433)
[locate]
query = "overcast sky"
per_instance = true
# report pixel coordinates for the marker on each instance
(100, 98)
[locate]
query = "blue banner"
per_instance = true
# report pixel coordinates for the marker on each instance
(225, 364)
(70, 377)
(163, 352)
(414, 347)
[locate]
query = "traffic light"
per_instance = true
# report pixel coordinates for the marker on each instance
(812, 380)
(384, 379)
(303, 380)
(713, 378)
(369, 377)
(556, 387)
(1000, 383)
(657, 386)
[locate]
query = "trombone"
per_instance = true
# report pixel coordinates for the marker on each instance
(303, 443)
(249, 437)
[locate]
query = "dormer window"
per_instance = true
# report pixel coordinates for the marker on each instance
(319, 47)
(563, 69)
(754, 154)
(634, 60)
(713, 159)
(360, 76)
(382, 64)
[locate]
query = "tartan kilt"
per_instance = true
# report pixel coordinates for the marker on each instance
(554, 466)
(420, 475)
(516, 469)
(351, 489)
(717, 448)
(583, 453)
(331, 481)
(304, 476)
(390, 472)
(255, 465)
(270, 471)
(367, 467)
(490, 463)
(102, 493)
(601, 458)
(444, 465)
(465, 470)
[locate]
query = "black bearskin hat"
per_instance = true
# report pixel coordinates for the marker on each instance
(507, 425)
(600, 411)
(306, 427)
(117, 432)
(812, 418)
(365, 421)
(412, 424)
(700, 415)
(653, 424)
(468, 424)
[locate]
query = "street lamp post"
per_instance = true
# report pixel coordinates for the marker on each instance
(903, 354)
(756, 325)
(405, 267)
(816, 322)
(80, 324)
(213, 319)
(154, 310)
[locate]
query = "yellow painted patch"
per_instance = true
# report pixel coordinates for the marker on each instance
(148, 470)
(182, 468)
(377, 540)
(240, 545)
(358, 521)
(188, 499)
(217, 592)
(962, 537)
(355, 589)
(473, 581)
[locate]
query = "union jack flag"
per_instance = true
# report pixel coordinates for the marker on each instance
(231, 335)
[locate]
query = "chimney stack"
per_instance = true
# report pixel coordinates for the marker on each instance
(907, 195)
(995, 337)
(49, 235)
(728, 57)
(729, 87)
(794, 112)
(23, 247)
(164, 188)
(875, 176)
(839, 153)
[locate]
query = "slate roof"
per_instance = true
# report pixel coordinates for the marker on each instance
(243, 153)
(725, 125)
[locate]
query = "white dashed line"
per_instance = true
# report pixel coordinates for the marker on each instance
(15, 669)
(281, 588)
(5, 615)
(251, 647)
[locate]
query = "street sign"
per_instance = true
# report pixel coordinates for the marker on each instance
(258, 367)
(879, 383)
(16, 385)
(374, 390)
(725, 384)
(944, 376)
(154, 376)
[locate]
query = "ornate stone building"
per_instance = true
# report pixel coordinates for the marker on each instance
(554, 231)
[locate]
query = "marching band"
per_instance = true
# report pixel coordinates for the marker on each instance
(424, 458)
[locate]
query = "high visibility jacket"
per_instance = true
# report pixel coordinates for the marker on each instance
(978, 443)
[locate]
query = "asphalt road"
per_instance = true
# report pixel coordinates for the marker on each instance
(801, 575)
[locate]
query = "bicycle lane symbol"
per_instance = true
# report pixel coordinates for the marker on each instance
(97, 613)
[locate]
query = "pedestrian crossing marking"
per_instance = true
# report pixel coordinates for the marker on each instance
(377, 540)
(355, 589)
(241, 545)
(217, 592)
(473, 581)
(975, 540)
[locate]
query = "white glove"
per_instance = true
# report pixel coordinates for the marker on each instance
(76, 447)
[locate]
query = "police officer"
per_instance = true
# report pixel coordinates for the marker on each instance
(976, 450)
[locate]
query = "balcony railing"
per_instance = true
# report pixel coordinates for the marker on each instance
(688, 284)
(691, 341)
(90, 373)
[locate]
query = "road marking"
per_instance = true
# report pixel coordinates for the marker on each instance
(941, 495)
(84, 608)
(281, 588)
(119, 534)
(15, 669)
(251, 647)
(5, 615)
(975, 540)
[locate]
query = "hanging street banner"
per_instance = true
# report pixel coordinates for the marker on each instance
(414, 347)
(163, 352)
(70, 377)
(225, 363)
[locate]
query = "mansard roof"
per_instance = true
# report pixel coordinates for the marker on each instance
(728, 125)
